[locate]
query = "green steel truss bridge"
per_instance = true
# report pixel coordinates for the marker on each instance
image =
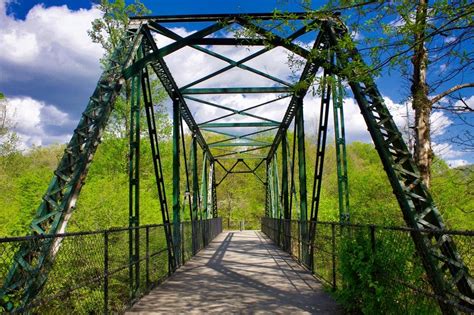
(141, 56)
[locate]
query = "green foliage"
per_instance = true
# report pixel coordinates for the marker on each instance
(372, 274)
(104, 199)
(104, 203)
(453, 191)
(8, 138)
(108, 30)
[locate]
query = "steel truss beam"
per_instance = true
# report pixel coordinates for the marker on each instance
(238, 90)
(204, 187)
(267, 189)
(195, 212)
(213, 189)
(447, 273)
(234, 136)
(217, 17)
(320, 152)
(304, 236)
(32, 261)
(307, 76)
(157, 54)
(285, 194)
(155, 151)
(134, 186)
(168, 83)
(248, 171)
(242, 112)
(176, 182)
(341, 155)
(220, 41)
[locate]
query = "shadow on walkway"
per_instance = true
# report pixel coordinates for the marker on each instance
(239, 272)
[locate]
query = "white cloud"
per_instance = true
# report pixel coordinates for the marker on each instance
(50, 40)
(53, 42)
(356, 35)
(450, 39)
(446, 150)
(443, 67)
(440, 123)
(398, 22)
(32, 120)
(469, 102)
(457, 163)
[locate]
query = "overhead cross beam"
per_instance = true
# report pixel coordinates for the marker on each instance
(142, 49)
(163, 73)
(220, 41)
(243, 112)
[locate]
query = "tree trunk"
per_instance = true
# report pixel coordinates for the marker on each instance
(421, 103)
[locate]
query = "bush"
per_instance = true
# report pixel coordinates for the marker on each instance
(372, 279)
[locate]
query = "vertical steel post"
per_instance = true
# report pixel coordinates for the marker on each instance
(106, 272)
(204, 186)
(267, 189)
(273, 191)
(270, 189)
(214, 192)
(333, 254)
(204, 210)
(176, 188)
(134, 186)
(183, 249)
(293, 186)
(187, 192)
(341, 155)
(155, 151)
(299, 120)
(212, 170)
(147, 256)
(320, 150)
(284, 193)
(275, 187)
(195, 208)
(444, 266)
(319, 163)
(194, 214)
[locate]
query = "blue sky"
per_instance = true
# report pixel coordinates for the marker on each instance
(165, 7)
(49, 67)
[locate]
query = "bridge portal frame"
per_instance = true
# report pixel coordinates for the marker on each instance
(446, 271)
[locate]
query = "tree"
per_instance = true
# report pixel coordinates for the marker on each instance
(108, 32)
(111, 27)
(8, 138)
(427, 43)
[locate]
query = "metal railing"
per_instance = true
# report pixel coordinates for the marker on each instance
(379, 260)
(90, 273)
(241, 224)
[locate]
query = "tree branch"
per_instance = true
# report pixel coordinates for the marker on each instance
(455, 88)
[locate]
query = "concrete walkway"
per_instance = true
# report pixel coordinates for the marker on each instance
(239, 272)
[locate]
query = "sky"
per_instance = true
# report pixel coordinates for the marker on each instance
(49, 68)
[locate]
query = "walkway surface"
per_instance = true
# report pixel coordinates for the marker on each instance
(239, 272)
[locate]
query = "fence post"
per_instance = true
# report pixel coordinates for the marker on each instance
(372, 237)
(183, 240)
(106, 272)
(333, 238)
(299, 241)
(147, 248)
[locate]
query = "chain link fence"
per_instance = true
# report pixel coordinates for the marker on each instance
(91, 272)
(370, 266)
(236, 225)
